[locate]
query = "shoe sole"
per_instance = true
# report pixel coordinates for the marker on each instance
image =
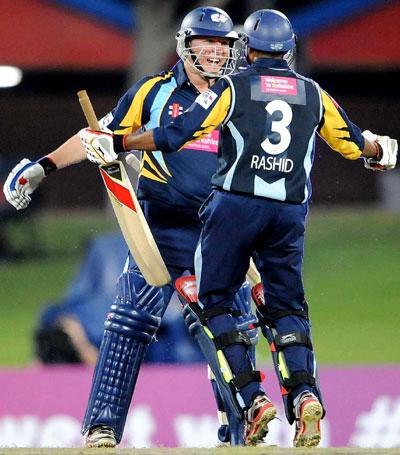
(261, 427)
(310, 431)
(105, 443)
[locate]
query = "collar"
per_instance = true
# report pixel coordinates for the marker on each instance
(271, 63)
(180, 74)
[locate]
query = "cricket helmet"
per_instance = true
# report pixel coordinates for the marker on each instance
(207, 21)
(269, 30)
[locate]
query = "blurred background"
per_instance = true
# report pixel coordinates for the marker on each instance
(65, 250)
(51, 49)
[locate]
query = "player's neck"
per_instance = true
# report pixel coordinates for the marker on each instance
(197, 79)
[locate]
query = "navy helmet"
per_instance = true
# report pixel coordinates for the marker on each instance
(207, 21)
(269, 30)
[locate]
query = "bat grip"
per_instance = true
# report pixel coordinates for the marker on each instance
(88, 110)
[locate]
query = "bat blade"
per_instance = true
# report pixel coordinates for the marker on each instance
(128, 212)
(133, 224)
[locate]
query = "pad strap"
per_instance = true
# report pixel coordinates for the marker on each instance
(229, 338)
(298, 378)
(292, 339)
(246, 377)
(269, 317)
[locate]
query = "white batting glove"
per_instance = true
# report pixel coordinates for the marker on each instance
(22, 181)
(101, 147)
(387, 155)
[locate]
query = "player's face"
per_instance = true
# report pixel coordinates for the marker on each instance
(211, 53)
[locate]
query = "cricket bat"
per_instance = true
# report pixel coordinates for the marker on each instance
(252, 274)
(129, 214)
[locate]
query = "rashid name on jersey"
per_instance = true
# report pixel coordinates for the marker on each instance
(256, 152)
(180, 179)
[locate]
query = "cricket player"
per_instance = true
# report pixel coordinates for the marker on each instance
(171, 189)
(268, 117)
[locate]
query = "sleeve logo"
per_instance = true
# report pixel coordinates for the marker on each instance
(205, 99)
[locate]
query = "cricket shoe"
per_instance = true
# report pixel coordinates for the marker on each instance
(257, 417)
(308, 412)
(101, 436)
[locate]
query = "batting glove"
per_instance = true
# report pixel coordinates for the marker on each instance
(23, 180)
(101, 147)
(386, 156)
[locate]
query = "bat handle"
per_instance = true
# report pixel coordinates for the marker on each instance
(88, 110)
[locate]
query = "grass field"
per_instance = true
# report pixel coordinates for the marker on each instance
(216, 451)
(351, 278)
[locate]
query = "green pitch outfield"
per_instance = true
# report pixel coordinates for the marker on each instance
(216, 451)
(351, 279)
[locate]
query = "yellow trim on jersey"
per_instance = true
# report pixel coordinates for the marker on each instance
(133, 118)
(147, 173)
(215, 117)
(127, 130)
(332, 131)
(161, 161)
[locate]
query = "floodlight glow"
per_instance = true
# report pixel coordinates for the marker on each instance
(10, 76)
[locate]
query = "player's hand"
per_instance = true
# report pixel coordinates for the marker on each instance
(101, 147)
(387, 155)
(22, 181)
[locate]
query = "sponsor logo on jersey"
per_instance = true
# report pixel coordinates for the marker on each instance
(279, 85)
(217, 17)
(175, 109)
(207, 143)
(271, 163)
(205, 99)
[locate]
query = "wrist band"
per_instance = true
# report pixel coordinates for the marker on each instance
(119, 143)
(379, 151)
(47, 164)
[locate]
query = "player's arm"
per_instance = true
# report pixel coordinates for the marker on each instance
(26, 176)
(208, 111)
(343, 136)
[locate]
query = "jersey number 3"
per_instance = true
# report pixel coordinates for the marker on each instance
(279, 126)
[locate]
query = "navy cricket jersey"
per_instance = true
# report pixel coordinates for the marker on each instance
(269, 116)
(180, 179)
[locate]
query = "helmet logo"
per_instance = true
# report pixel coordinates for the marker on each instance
(218, 17)
(276, 46)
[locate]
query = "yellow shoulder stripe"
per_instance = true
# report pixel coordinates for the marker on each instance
(215, 117)
(335, 130)
(133, 118)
